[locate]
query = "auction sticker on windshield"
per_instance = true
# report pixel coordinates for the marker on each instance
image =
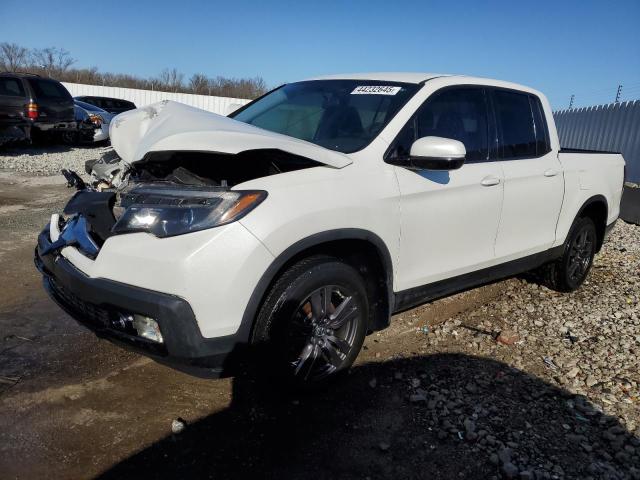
(375, 90)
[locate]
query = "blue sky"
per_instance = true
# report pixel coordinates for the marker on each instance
(586, 47)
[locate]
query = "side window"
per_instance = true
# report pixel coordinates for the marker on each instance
(515, 117)
(457, 113)
(543, 145)
(11, 87)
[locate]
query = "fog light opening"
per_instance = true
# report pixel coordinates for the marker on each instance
(123, 322)
(147, 328)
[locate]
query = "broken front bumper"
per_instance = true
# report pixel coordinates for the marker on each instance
(99, 304)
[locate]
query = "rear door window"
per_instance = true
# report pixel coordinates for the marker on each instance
(48, 89)
(11, 87)
(515, 118)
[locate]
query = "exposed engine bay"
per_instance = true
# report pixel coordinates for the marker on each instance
(170, 193)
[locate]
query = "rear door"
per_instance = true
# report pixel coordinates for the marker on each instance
(449, 220)
(55, 103)
(533, 180)
(13, 101)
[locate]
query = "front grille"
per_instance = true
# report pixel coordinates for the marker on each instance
(93, 314)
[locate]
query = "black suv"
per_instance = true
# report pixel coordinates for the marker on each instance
(111, 105)
(30, 103)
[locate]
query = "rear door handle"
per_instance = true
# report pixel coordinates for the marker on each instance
(550, 173)
(490, 181)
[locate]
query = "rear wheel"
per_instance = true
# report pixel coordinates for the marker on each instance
(314, 320)
(69, 137)
(569, 272)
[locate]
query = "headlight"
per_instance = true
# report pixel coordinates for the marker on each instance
(168, 212)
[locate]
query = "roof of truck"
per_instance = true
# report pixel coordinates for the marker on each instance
(419, 78)
(406, 77)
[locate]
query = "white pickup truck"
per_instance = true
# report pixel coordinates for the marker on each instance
(306, 218)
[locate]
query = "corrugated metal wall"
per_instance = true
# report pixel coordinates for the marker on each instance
(220, 105)
(613, 127)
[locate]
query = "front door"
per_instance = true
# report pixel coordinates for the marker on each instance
(449, 219)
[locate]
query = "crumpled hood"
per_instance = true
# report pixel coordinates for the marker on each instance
(167, 125)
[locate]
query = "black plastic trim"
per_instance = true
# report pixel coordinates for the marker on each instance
(413, 297)
(592, 200)
(581, 150)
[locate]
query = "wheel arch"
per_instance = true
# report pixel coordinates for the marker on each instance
(596, 208)
(362, 249)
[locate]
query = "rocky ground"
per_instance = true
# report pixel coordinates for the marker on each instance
(48, 159)
(506, 381)
(585, 343)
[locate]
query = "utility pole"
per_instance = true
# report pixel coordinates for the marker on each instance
(571, 102)
(618, 93)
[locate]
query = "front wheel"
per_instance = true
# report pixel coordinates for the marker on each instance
(314, 320)
(569, 272)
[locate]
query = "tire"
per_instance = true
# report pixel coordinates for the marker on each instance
(309, 340)
(569, 272)
(69, 138)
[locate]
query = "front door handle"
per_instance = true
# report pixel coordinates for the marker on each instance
(550, 173)
(490, 181)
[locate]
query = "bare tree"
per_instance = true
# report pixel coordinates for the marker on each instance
(54, 61)
(199, 83)
(13, 57)
(171, 79)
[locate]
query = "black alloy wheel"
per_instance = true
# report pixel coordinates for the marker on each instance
(314, 320)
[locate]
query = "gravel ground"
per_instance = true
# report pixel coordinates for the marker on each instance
(49, 159)
(585, 345)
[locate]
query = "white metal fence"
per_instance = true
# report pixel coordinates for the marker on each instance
(614, 127)
(220, 105)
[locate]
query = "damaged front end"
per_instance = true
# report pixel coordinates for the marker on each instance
(176, 169)
(173, 171)
(172, 193)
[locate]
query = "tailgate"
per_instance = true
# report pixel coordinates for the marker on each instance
(54, 101)
(12, 109)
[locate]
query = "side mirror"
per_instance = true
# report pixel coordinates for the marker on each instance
(437, 153)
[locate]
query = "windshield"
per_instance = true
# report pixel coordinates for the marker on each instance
(342, 115)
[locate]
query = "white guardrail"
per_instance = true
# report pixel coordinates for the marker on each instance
(220, 105)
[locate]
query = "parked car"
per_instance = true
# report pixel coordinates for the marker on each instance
(111, 105)
(92, 124)
(31, 104)
(299, 225)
